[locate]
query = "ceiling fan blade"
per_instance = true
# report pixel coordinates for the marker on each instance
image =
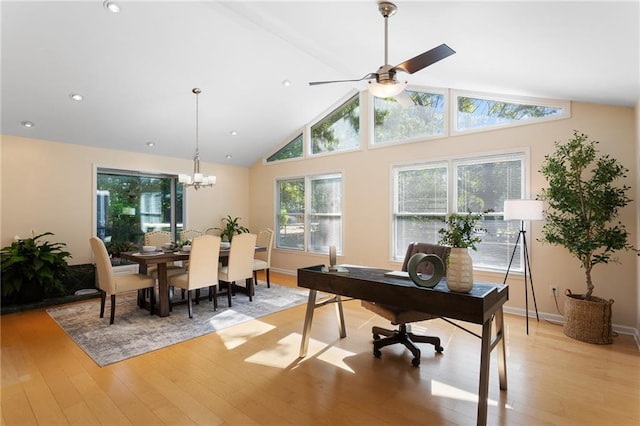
(425, 59)
(366, 77)
(404, 99)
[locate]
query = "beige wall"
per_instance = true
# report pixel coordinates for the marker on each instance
(48, 186)
(367, 206)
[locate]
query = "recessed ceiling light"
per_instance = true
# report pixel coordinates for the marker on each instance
(286, 83)
(228, 156)
(151, 143)
(76, 96)
(27, 124)
(111, 6)
(233, 133)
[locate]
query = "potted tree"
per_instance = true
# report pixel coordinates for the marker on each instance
(33, 269)
(231, 227)
(461, 234)
(583, 202)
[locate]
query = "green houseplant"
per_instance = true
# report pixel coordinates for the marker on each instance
(461, 234)
(583, 202)
(231, 227)
(33, 269)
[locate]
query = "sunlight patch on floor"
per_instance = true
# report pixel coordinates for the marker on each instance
(286, 353)
(447, 391)
(232, 337)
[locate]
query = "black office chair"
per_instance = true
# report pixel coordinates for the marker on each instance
(400, 316)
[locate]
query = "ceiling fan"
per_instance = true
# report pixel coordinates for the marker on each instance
(386, 84)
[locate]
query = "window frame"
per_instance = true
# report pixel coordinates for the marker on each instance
(307, 210)
(299, 133)
(495, 97)
(341, 102)
(100, 169)
(451, 163)
(423, 89)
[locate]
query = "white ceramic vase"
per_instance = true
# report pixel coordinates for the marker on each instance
(460, 270)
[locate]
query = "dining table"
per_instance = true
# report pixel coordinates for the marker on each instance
(161, 259)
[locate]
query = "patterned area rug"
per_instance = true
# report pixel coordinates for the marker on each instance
(135, 332)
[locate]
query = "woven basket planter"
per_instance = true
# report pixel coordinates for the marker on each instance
(588, 320)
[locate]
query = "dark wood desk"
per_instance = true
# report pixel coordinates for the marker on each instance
(161, 260)
(479, 306)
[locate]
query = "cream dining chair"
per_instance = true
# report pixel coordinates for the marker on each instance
(111, 284)
(262, 259)
(240, 265)
(203, 269)
(158, 238)
(190, 234)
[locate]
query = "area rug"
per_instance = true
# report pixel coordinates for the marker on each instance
(136, 332)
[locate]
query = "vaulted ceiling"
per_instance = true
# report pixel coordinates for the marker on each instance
(136, 69)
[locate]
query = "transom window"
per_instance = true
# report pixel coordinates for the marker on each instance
(423, 117)
(309, 213)
(294, 149)
(339, 130)
(475, 112)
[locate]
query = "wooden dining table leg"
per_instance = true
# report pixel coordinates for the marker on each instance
(163, 291)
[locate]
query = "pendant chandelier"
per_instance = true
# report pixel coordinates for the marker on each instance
(198, 180)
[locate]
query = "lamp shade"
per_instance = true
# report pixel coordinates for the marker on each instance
(387, 89)
(523, 209)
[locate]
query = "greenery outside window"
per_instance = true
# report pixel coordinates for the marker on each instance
(309, 215)
(476, 112)
(425, 194)
(394, 122)
(294, 149)
(338, 130)
(130, 203)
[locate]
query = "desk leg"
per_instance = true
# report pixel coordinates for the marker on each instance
(163, 291)
(483, 388)
(502, 353)
(308, 319)
(340, 317)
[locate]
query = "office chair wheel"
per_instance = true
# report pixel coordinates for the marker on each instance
(376, 337)
(439, 349)
(377, 353)
(415, 362)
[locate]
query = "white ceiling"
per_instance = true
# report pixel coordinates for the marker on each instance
(136, 69)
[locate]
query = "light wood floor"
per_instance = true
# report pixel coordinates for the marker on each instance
(250, 374)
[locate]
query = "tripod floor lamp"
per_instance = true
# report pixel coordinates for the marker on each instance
(523, 210)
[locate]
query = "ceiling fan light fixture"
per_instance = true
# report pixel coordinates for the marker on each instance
(386, 89)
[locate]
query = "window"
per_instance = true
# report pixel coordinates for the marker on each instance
(394, 122)
(309, 213)
(479, 112)
(425, 194)
(129, 204)
(293, 149)
(420, 204)
(339, 130)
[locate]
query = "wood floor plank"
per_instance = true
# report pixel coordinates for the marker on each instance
(251, 374)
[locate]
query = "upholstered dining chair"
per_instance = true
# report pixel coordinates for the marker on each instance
(111, 284)
(401, 317)
(240, 265)
(158, 238)
(262, 259)
(190, 234)
(203, 269)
